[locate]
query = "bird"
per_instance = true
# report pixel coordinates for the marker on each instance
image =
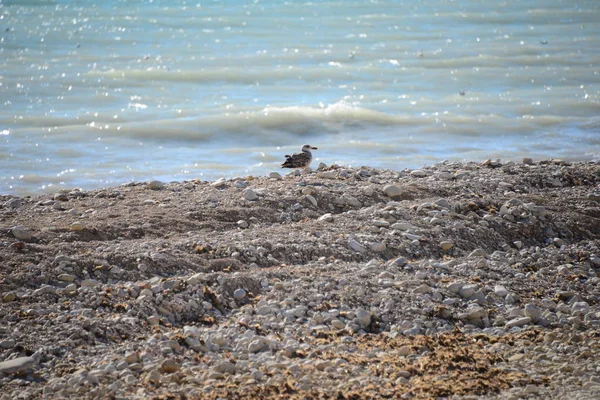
(299, 160)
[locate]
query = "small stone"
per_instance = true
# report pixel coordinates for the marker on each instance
(443, 203)
(422, 289)
(169, 366)
(327, 174)
(411, 236)
(337, 324)
(225, 367)
(354, 245)
(533, 311)
(275, 175)
(455, 287)
(250, 195)
(419, 173)
(239, 293)
(131, 358)
(378, 246)
(528, 161)
(8, 343)
(381, 223)
(155, 185)
(14, 203)
(446, 245)
(17, 365)
(22, 233)
(399, 262)
(255, 346)
(363, 317)
(476, 313)
(66, 278)
(311, 200)
(404, 351)
(322, 364)
(594, 196)
(392, 191)
(500, 291)
(153, 320)
(326, 217)
(8, 297)
(77, 226)
(580, 307)
(89, 283)
(242, 224)
(351, 201)
(517, 322)
(467, 291)
(477, 253)
(402, 226)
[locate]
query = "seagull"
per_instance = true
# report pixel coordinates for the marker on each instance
(299, 160)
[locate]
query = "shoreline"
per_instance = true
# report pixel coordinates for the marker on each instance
(461, 278)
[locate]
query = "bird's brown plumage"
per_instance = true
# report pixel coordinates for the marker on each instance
(299, 160)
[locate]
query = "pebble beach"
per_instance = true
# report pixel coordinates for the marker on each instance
(465, 280)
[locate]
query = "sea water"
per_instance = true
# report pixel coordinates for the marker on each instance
(98, 93)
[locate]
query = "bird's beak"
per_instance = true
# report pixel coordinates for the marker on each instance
(314, 148)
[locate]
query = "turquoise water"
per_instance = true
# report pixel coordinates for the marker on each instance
(100, 93)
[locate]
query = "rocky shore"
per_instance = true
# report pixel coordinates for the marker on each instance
(463, 280)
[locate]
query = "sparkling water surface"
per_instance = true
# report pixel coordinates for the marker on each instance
(95, 94)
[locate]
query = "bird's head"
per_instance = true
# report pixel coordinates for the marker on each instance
(308, 147)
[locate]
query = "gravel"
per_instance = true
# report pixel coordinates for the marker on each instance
(472, 280)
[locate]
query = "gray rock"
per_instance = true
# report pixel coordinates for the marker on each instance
(155, 185)
(419, 173)
(517, 322)
(250, 195)
(17, 365)
(455, 287)
(594, 196)
(326, 217)
(239, 293)
(354, 245)
(381, 223)
(392, 191)
(225, 367)
(327, 174)
(500, 291)
(402, 226)
(311, 200)
(255, 346)
(477, 253)
(467, 291)
(242, 224)
(533, 311)
(22, 233)
(14, 203)
(446, 245)
(363, 317)
(580, 307)
(378, 246)
(443, 203)
(423, 289)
